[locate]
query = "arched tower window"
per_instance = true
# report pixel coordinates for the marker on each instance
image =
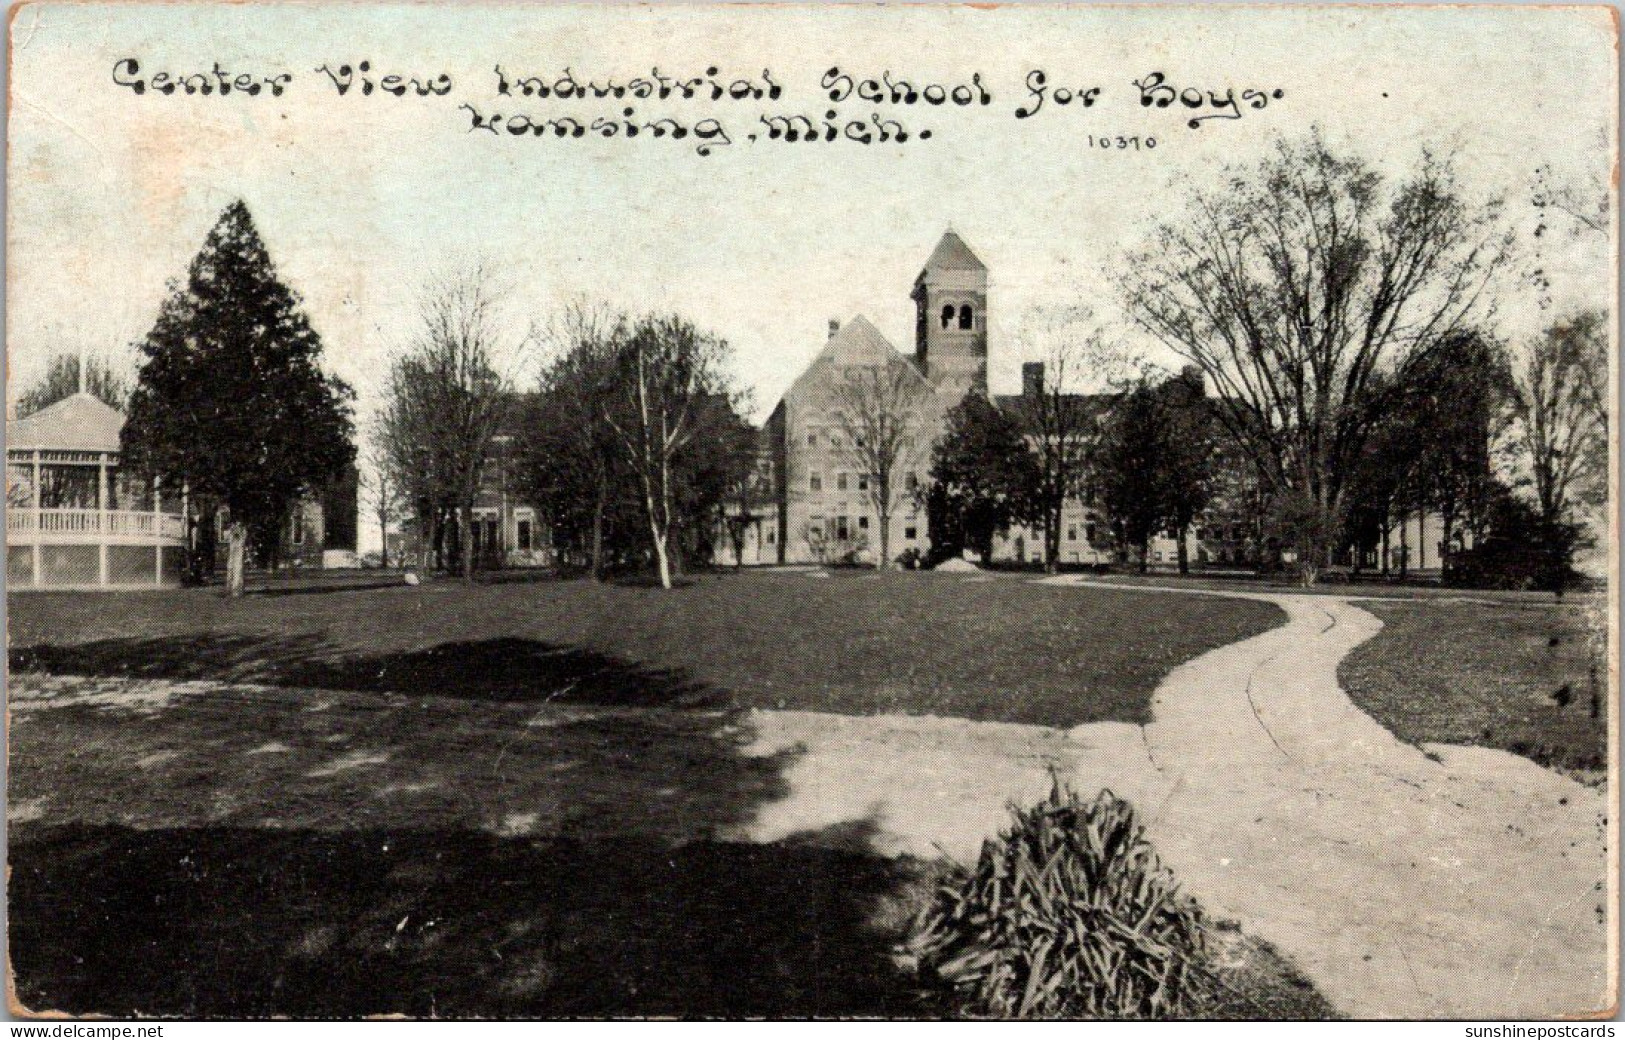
(948, 316)
(966, 319)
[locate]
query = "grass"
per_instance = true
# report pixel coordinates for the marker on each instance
(515, 800)
(1530, 680)
(980, 647)
(216, 849)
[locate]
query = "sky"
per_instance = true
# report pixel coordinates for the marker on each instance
(363, 200)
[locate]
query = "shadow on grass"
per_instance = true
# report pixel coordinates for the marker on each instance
(227, 921)
(503, 669)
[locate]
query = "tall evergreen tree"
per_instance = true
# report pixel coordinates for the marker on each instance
(231, 398)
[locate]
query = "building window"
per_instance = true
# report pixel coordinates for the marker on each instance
(911, 481)
(771, 534)
(1071, 534)
(1158, 555)
(812, 438)
(815, 482)
(909, 533)
(297, 535)
(948, 316)
(1089, 533)
(523, 536)
(840, 482)
(841, 532)
(863, 523)
(863, 482)
(966, 317)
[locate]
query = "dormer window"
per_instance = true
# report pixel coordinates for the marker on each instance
(967, 318)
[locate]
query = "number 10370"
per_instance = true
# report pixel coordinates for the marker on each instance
(1123, 144)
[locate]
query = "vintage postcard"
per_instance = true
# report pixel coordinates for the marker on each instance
(811, 511)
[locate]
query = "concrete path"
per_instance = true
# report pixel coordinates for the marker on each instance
(1462, 885)
(1446, 882)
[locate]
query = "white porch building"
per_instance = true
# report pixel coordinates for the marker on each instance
(73, 519)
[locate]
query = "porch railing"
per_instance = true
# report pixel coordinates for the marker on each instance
(24, 524)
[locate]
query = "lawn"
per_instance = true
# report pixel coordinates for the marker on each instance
(1530, 680)
(517, 799)
(979, 647)
(219, 849)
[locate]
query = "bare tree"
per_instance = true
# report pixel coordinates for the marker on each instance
(446, 400)
(1582, 199)
(380, 489)
(1295, 288)
(1561, 416)
(1061, 423)
(67, 374)
(667, 371)
(878, 408)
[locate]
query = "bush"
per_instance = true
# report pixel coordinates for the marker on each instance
(1068, 914)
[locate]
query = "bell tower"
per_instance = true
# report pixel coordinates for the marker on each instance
(950, 331)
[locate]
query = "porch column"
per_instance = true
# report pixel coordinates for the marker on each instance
(157, 520)
(102, 531)
(39, 558)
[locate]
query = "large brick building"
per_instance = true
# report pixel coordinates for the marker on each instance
(814, 502)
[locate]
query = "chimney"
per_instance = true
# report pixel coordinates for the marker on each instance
(834, 327)
(1032, 379)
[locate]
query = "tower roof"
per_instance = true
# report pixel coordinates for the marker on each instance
(78, 422)
(952, 254)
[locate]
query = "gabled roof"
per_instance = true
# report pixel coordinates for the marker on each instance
(857, 342)
(80, 422)
(952, 254)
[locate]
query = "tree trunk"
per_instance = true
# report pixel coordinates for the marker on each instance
(1145, 555)
(1385, 521)
(236, 549)
(1404, 546)
(884, 562)
(661, 561)
(466, 538)
(1052, 541)
(1184, 553)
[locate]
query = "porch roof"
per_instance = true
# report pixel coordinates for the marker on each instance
(81, 422)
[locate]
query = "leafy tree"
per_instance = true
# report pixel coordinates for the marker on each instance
(1125, 470)
(572, 468)
(61, 380)
(231, 397)
(983, 478)
(1189, 449)
(667, 379)
(1562, 425)
(1295, 287)
(1154, 462)
(1433, 451)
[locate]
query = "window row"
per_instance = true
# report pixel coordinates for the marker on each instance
(815, 481)
(842, 530)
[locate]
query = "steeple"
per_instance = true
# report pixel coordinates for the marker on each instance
(950, 299)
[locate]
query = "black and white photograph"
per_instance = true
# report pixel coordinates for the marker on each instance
(1004, 512)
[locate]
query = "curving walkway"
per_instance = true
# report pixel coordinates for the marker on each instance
(1450, 883)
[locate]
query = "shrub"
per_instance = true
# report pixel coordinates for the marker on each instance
(1068, 914)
